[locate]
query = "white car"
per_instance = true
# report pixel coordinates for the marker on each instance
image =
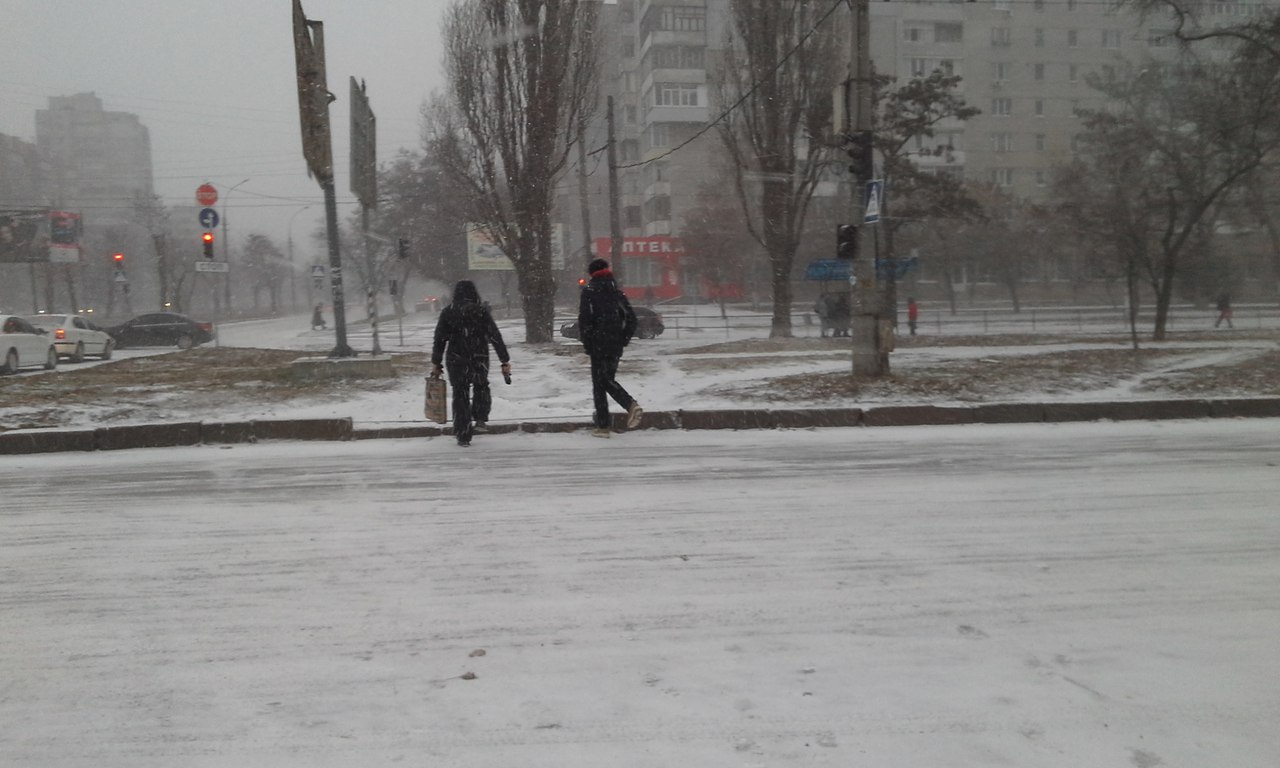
(22, 345)
(75, 337)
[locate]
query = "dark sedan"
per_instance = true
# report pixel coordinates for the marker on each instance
(162, 329)
(648, 325)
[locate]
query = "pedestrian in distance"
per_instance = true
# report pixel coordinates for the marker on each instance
(913, 314)
(1224, 310)
(464, 333)
(317, 318)
(606, 324)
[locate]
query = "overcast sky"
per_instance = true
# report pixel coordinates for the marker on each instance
(214, 82)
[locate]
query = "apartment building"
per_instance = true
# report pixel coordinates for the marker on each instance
(98, 162)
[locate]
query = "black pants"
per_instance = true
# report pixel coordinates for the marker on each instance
(472, 399)
(604, 369)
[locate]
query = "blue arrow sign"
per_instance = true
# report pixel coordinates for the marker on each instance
(208, 218)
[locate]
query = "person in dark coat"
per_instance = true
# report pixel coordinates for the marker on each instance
(463, 335)
(1224, 310)
(606, 324)
(317, 318)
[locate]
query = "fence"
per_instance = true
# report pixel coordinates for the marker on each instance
(706, 321)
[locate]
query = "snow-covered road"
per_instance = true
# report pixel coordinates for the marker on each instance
(1024, 595)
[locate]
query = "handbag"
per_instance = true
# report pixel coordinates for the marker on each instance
(436, 408)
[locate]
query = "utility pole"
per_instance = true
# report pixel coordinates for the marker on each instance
(615, 215)
(868, 330)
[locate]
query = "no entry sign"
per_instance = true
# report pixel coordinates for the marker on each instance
(206, 194)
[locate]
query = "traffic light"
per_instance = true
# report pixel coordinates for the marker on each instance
(207, 239)
(118, 258)
(846, 241)
(403, 246)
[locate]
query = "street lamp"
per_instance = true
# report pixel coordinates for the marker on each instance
(226, 240)
(293, 277)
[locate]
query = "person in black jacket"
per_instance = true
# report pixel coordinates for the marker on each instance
(466, 329)
(606, 324)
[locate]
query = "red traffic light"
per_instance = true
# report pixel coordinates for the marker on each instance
(118, 258)
(207, 237)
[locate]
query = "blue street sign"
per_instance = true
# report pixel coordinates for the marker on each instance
(828, 269)
(208, 218)
(874, 197)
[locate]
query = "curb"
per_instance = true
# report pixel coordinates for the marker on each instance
(213, 433)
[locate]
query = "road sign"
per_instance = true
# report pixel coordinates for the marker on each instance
(206, 194)
(875, 195)
(120, 278)
(208, 218)
(317, 270)
(212, 266)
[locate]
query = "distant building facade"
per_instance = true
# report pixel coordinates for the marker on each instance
(98, 162)
(21, 174)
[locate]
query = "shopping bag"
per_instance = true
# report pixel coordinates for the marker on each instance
(437, 404)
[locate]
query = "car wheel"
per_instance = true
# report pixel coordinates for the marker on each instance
(186, 342)
(51, 360)
(10, 362)
(106, 350)
(78, 355)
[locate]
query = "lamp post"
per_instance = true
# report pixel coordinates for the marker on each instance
(293, 276)
(226, 241)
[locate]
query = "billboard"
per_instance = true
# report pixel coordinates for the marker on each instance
(64, 237)
(484, 255)
(24, 235)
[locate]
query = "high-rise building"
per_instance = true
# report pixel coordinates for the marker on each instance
(98, 162)
(20, 173)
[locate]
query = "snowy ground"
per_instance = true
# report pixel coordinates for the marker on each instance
(683, 369)
(1028, 595)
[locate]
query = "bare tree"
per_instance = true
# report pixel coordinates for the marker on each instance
(1178, 140)
(521, 73)
(718, 250)
(778, 75)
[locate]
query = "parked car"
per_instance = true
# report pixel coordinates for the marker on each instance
(161, 329)
(74, 336)
(648, 325)
(22, 345)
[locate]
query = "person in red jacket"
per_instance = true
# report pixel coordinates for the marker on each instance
(913, 314)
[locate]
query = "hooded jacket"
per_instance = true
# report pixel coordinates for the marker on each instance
(466, 328)
(606, 321)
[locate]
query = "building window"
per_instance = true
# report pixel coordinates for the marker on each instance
(657, 208)
(1001, 37)
(948, 32)
(675, 95)
(1073, 38)
(1000, 71)
(1073, 73)
(1040, 179)
(629, 114)
(1002, 106)
(660, 135)
(1039, 37)
(630, 150)
(1039, 142)
(628, 82)
(1000, 5)
(1002, 177)
(1039, 70)
(919, 67)
(913, 34)
(678, 57)
(1111, 39)
(1039, 108)
(1001, 142)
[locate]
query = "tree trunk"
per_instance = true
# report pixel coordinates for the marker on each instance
(775, 203)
